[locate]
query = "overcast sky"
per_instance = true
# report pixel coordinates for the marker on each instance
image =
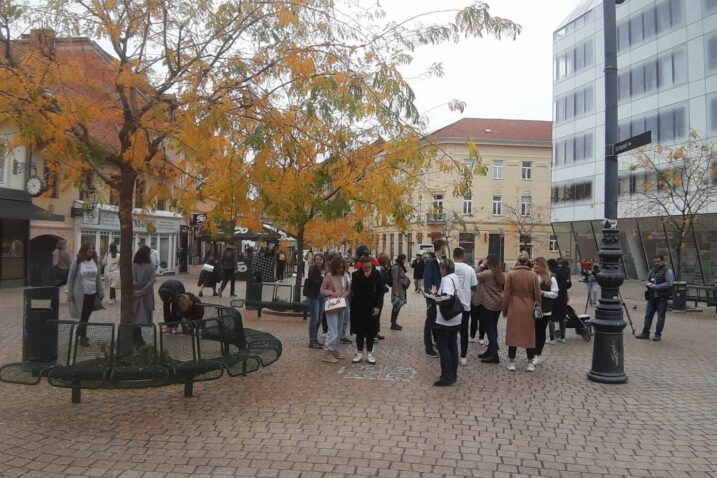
(497, 79)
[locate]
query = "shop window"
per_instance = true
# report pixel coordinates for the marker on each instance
(14, 239)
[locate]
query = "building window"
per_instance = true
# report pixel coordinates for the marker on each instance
(663, 72)
(667, 125)
(497, 169)
(578, 191)
(527, 170)
(419, 237)
(86, 185)
(650, 22)
(139, 186)
(574, 104)
(525, 203)
(575, 25)
(438, 203)
(554, 244)
(52, 179)
(710, 6)
(574, 60)
(497, 205)
(468, 204)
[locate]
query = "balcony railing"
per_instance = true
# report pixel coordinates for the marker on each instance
(436, 218)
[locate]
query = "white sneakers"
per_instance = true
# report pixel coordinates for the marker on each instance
(536, 360)
(462, 361)
(370, 359)
(550, 342)
(472, 340)
(562, 341)
(530, 367)
(357, 357)
(481, 341)
(511, 366)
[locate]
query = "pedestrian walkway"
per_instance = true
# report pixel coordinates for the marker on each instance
(305, 418)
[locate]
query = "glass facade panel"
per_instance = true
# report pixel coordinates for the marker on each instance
(566, 243)
(633, 256)
(690, 265)
(653, 239)
(705, 230)
(585, 239)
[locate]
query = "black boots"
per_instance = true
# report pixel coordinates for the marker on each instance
(491, 358)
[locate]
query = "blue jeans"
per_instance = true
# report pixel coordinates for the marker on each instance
(447, 345)
(344, 323)
(332, 336)
(659, 305)
(316, 310)
(592, 289)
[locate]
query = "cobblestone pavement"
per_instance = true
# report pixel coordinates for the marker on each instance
(302, 418)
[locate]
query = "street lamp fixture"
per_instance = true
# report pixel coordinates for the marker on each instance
(608, 352)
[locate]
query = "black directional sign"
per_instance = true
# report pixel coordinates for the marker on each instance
(632, 143)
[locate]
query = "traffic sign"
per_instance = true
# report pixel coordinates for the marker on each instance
(632, 143)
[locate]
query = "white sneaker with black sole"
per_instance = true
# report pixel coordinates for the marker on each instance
(357, 357)
(370, 358)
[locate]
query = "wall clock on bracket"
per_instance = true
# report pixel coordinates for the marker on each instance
(35, 186)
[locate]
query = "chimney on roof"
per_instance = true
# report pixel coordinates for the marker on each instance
(43, 39)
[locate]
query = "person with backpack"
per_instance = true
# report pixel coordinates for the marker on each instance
(418, 265)
(431, 282)
(229, 263)
(399, 285)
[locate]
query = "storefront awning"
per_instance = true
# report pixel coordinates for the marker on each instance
(15, 204)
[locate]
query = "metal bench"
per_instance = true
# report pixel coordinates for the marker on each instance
(702, 293)
(138, 356)
(278, 297)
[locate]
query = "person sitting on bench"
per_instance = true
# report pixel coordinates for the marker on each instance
(178, 304)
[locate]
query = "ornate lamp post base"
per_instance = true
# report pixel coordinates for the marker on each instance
(608, 352)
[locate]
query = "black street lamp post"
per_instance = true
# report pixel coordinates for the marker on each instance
(608, 352)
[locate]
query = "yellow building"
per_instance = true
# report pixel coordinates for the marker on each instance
(508, 208)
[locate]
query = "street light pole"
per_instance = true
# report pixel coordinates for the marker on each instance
(608, 352)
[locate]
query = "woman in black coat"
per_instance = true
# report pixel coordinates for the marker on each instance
(367, 290)
(561, 270)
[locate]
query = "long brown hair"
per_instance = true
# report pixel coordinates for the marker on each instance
(491, 262)
(82, 254)
(323, 264)
(336, 265)
(543, 271)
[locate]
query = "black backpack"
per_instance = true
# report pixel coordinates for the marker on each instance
(386, 275)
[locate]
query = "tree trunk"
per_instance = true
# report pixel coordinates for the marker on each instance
(299, 265)
(126, 196)
(678, 258)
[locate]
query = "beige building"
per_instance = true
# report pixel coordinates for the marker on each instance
(508, 208)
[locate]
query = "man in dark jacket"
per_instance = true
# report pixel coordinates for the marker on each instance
(418, 266)
(659, 290)
(229, 261)
(561, 272)
(431, 283)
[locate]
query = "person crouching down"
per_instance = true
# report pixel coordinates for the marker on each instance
(178, 304)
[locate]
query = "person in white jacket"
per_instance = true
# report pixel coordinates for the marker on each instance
(549, 291)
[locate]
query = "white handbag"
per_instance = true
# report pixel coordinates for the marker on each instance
(335, 305)
(208, 268)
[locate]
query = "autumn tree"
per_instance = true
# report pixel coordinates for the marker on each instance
(676, 183)
(223, 94)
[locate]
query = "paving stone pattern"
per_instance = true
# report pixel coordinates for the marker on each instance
(301, 418)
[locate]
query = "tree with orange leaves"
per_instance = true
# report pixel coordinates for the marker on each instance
(238, 96)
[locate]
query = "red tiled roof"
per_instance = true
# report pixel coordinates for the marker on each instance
(497, 129)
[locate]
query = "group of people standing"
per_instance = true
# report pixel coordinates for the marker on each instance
(532, 296)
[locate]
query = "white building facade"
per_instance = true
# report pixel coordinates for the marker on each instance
(667, 70)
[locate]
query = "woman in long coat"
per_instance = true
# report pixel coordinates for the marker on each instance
(522, 290)
(143, 278)
(367, 290)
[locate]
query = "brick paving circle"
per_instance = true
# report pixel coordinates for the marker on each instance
(301, 418)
